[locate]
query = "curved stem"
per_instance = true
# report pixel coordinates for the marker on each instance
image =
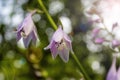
(47, 14)
(55, 27)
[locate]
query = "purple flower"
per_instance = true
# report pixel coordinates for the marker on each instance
(60, 44)
(27, 30)
(115, 43)
(99, 40)
(112, 72)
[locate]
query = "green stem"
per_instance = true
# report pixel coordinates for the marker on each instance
(55, 27)
(81, 67)
(47, 14)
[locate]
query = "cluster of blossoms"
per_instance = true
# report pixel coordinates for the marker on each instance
(60, 42)
(106, 12)
(99, 40)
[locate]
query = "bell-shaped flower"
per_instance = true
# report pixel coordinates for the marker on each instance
(27, 30)
(60, 45)
(112, 72)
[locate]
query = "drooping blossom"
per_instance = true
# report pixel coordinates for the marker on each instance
(60, 45)
(27, 30)
(112, 73)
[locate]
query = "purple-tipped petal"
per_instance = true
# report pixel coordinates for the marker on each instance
(112, 72)
(99, 40)
(58, 35)
(64, 54)
(115, 43)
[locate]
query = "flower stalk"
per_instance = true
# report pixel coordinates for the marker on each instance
(47, 14)
(55, 27)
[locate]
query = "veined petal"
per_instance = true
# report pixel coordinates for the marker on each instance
(64, 54)
(112, 72)
(27, 40)
(58, 35)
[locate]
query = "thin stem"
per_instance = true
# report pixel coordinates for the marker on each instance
(55, 27)
(47, 14)
(81, 67)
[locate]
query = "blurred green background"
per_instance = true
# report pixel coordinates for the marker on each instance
(18, 63)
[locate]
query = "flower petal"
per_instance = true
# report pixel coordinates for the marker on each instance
(69, 45)
(20, 27)
(34, 38)
(112, 72)
(28, 25)
(64, 54)
(66, 37)
(27, 40)
(18, 36)
(54, 49)
(58, 35)
(49, 46)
